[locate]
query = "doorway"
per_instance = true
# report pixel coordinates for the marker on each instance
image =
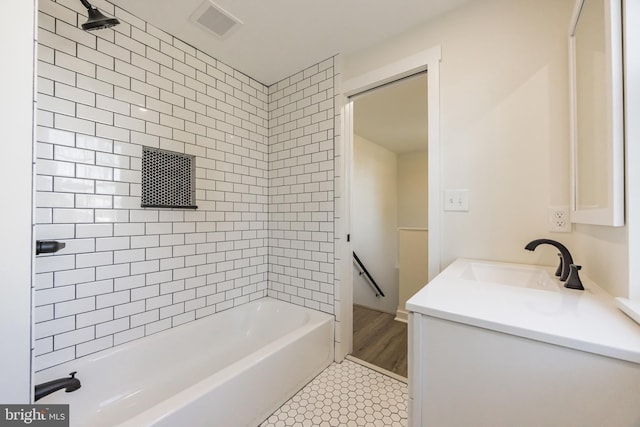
(389, 216)
(428, 60)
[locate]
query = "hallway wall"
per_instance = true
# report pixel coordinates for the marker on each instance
(413, 186)
(374, 223)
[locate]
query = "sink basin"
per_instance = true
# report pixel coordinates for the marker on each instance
(509, 274)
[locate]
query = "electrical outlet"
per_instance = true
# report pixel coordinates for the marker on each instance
(559, 221)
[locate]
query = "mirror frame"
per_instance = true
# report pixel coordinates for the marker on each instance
(613, 213)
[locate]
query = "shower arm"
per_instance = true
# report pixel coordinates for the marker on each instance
(86, 4)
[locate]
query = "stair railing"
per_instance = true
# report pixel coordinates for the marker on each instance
(363, 270)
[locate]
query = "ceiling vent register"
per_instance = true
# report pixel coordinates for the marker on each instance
(215, 19)
(168, 179)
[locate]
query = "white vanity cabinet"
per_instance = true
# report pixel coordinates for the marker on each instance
(483, 353)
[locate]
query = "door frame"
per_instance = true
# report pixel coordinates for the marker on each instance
(16, 174)
(429, 61)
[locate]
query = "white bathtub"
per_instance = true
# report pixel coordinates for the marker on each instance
(230, 369)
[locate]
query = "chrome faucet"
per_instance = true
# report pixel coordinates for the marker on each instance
(567, 270)
(70, 384)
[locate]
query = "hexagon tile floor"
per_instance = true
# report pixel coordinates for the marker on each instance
(345, 394)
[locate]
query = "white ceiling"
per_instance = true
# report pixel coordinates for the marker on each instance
(279, 38)
(394, 116)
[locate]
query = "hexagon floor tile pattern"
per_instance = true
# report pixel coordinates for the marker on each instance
(345, 394)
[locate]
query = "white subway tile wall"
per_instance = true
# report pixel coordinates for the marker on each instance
(128, 272)
(301, 193)
(264, 187)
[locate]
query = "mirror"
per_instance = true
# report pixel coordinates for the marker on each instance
(597, 132)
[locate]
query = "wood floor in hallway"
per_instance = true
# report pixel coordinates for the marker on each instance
(380, 340)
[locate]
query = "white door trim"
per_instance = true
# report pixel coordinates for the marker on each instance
(16, 177)
(427, 60)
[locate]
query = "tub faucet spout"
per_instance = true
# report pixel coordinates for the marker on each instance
(70, 384)
(565, 257)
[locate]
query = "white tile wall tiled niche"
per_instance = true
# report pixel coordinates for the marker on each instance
(127, 272)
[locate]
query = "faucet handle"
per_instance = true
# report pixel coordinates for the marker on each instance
(560, 266)
(573, 281)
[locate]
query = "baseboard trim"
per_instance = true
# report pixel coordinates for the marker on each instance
(402, 316)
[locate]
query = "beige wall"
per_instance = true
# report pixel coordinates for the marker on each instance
(389, 191)
(413, 203)
(504, 131)
(374, 219)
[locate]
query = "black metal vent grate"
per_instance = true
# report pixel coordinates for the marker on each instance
(168, 179)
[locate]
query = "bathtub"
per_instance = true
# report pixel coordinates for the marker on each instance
(233, 368)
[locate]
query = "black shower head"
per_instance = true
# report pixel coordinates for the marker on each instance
(97, 20)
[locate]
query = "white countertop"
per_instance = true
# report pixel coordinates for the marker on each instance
(586, 320)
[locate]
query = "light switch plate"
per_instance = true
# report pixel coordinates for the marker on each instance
(456, 200)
